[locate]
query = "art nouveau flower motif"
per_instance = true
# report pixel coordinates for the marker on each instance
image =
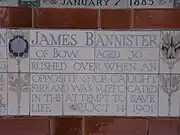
(18, 47)
(170, 50)
(170, 85)
(18, 50)
(18, 84)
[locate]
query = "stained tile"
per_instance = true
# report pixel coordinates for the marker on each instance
(18, 93)
(156, 18)
(46, 94)
(3, 94)
(26, 126)
(115, 18)
(169, 103)
(18, 57)
(66, 18)
(74, 126)
(163, 126)
(88, 94)
(112, 125)
(142, 95)
(20, 17)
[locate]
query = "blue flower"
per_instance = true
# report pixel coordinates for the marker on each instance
(18, 47)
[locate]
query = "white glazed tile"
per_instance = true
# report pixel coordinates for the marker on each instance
(62, 60)
(127, 39)
(3, 94)
(169, 93)
(165, 60)
(142, 95)
(95, 94)
(24, 59)
(46, 94)
(176, 49)
(150, 3)
(62, 51)
(61, 38)
(3, 50)
(90, 4)
(127, 51)
(18, 94)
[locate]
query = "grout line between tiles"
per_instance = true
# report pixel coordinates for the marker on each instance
(99, 19)
(158, 75)
(30, 62)
(29, 76)
(83, 125)
(7, 108)
(126, 114)
(51, 128)
(147, 132)
(132, 18)
(33, 18)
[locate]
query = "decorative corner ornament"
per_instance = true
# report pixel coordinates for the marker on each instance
(18, 50)
(170, 50)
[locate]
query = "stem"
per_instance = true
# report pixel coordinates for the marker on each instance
(18, 90)
(169, 94)
(171, 66)
(169, 104)
(18, 64)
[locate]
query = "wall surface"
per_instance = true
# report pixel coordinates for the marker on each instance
(89, 19)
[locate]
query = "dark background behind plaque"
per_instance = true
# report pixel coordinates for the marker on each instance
(90, 19)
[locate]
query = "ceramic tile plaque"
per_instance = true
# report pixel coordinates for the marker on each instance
(107, 4)
(89, 73)
(84, 3)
